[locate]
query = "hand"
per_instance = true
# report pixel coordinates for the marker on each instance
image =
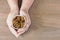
(10, 17)
(27, 21)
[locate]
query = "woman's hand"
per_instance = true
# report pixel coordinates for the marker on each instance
(27, 21)
(10, 17)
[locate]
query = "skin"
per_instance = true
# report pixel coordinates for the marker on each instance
(13, 4)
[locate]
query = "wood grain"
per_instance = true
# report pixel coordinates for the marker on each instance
(45, 16)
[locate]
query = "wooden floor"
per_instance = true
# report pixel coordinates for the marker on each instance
(45, 16)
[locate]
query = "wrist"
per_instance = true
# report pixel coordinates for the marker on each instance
(24, 10)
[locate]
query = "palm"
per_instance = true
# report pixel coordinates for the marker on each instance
(10, 18)
(27, 19)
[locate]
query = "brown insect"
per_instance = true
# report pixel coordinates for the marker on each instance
(18, 22)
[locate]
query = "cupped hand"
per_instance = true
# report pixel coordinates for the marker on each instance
(10, 17)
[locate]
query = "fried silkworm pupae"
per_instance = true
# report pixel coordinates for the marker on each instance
(18, 22)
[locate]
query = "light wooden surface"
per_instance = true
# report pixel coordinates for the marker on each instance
(45, 16)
